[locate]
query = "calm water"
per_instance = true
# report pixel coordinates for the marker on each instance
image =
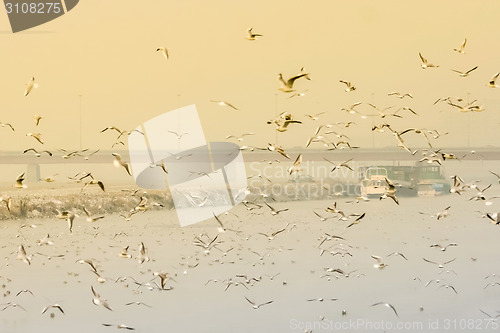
(194, 306)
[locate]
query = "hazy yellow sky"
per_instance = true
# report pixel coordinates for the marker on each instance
(105, 51)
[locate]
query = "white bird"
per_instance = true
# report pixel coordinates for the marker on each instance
(492, 83)
(142, 254)
(390, 191)
(19, 181)
(379, 264)
(398, 95)
(163, 51)
(251, 35)
(120, 326)
(91, 218)
(97, 300)
(287, 86)
(256, 306)
(349, 86)
(461, 48)
(23, 256)
(36, 136)
(55, 306)
(224, 103)
(30, 85)
(119, 162)
(425, 63)
(443, 248)
(439, 265)
(37, 119)
(387, 305)
(464, 74)
(295, 168)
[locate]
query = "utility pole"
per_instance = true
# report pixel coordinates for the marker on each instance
(468, 121)
(276, 116)
(81, 131)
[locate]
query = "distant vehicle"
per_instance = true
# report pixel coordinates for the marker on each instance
(411, 180)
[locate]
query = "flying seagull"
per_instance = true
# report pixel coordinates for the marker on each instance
(163, 51)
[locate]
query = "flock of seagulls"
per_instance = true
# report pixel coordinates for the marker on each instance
(211, 246)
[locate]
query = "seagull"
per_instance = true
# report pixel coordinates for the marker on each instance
(283, 120)
(163, 279)
(30, 85)
(24, 291)
(275, 211)
(256, 306)
(398, 95)
(121, 133)
(35, 136)
(295, 168)
(177, 135)
(19, 181)
(439, 265)
(44, 241)
(496, 175)
(480, 195)
(379, 264)
(387, 305)
(224, 103)
(349, 87)
(443, 248)
(351, 108)
(389, 191)
(443, 214)
(397, 254)
(287, 86)
(461, 48)
(273, 235)
(240, 138)
(124, 253)
(338, 166)
(7, 124)
(91, 218)
(37, 119)
(357, 220)
(464, 74)
(322, 218)
(494, 217)
(14, 305)
(37, 153)
(94, 182)
(425, 63)
(120, 326)
(55, 306)
(163, 51)
(139, 303)
(97, 300)
(70, 218)
(251, 35)
(118, 161)
(23, 256)
(280, 150)
(142, 254)
(492, 83)
(449, 287)
(89, 262)
(315, 116)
